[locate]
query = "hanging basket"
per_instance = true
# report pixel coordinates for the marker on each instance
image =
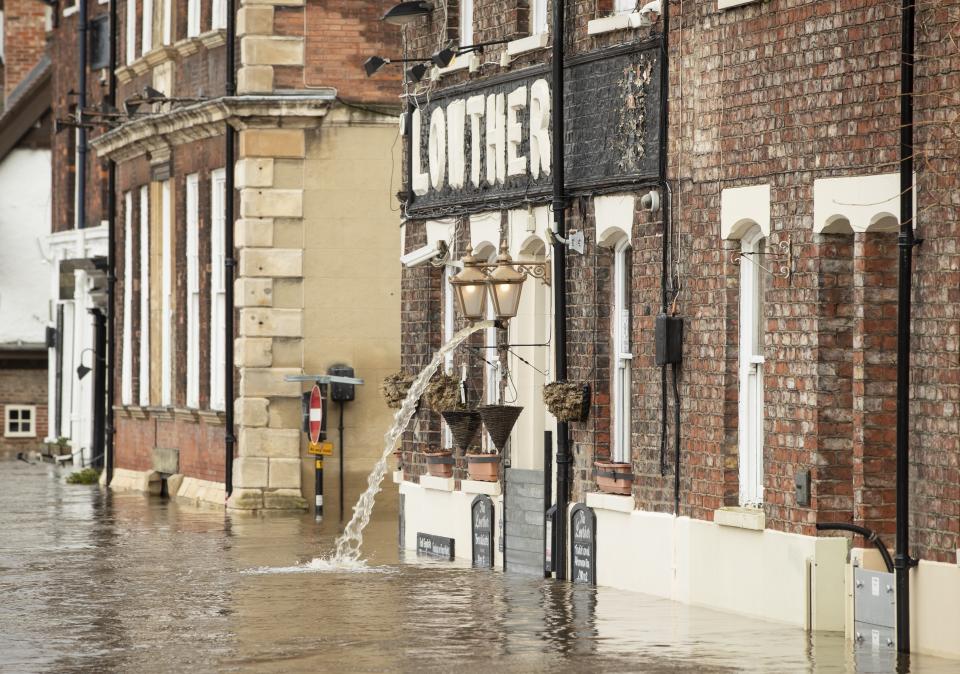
(464, 425)
(499, 421)
(394, 389)
(567, 400)
(443, 393)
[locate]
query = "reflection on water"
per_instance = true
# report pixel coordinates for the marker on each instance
(95, 581)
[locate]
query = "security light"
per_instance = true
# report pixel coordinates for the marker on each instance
(405, 13)
(373, 64)
(83, 371)
(442, 58)
(416, 73)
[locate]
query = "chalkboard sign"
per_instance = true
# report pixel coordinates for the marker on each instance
(434, 546)
(583, 545)
(481, 527)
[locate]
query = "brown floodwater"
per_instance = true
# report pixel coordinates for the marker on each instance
(95, 581)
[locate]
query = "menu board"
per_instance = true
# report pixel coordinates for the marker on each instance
(434, 546)
(481, 528)
(583, 545)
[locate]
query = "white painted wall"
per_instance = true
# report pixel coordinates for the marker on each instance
(24, 224)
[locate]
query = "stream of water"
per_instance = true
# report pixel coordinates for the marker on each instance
(347, 554)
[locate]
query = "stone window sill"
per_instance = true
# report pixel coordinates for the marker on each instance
(727, 4)
(465, 62)
(213, 38)
(616, 503)
(436, 483)
(188, 46)
(741, 518)
(609, 24)
(527, 44)
(480, 487)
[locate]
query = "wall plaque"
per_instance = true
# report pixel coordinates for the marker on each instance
(482, 529)
(434, 546)
(583, 545)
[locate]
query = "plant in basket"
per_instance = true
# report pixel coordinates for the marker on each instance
(567, 400)
(394, 389)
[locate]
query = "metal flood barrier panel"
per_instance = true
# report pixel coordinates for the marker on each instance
(875, 610)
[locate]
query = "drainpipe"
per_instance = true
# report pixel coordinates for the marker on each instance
(81, 185)
(99, 387)
(228, 255)
(560, 286)
(905, 242)
(111, 255)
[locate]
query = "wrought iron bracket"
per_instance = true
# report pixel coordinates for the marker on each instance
(540, 270)
(783, 257)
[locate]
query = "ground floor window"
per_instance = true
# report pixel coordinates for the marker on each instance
(20, 421)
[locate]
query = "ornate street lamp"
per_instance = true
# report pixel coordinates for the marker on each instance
(506, 284)
(470, 289)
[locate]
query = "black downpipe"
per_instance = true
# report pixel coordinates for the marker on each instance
(229, 262)
(342, 456)
(81, 202)
(547, 492)
(99, 386)
(869, 534)
(560, 285)
(111, 257)
(905, 243)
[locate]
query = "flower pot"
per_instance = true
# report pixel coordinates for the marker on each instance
(499, 421)
(464, 425)
(440, 464)
(484, 467)
(567, 400)
(612, 477)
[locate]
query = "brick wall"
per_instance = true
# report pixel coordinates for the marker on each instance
(23, 386)
(24, 43)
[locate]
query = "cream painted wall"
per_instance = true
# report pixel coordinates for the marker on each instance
(24, 224)
(351, 280)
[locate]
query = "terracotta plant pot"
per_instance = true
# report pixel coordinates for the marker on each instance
(440, 464)
(612, 477)
(484, 467)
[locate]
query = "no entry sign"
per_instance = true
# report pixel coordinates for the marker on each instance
(316, 413)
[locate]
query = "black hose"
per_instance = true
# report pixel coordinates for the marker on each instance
(869, 534)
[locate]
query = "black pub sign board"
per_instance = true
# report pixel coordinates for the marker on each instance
(434, 546)
(488, 144)
(481, 528)
(583, 545)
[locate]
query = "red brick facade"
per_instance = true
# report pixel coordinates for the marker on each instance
(781, 92)
(24, 42)
(24, 384)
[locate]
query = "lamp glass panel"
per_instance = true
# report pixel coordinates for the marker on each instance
(472, 299)
(506, 297)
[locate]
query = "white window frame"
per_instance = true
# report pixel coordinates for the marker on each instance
(192, 198)
(166, 8)
(166, 294)
(131, 31)
(539, 19)
(449, 328)
(144, 384)
(466, 23)
(32, 433)
(146, 37)
(218, 14)
(126, 353)
(2, 32)
(193, 18)
(751, 406)
(218, 196)
(620, 450)
(624, 6)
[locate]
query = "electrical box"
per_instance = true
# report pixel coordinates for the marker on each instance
(341, 393)
(801, 481)
(668, 336)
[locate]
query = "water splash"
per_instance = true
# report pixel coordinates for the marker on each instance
(322, 565)
(349, 542)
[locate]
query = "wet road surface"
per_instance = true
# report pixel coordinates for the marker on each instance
(91, 581)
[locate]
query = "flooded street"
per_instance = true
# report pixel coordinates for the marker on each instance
(92, 581)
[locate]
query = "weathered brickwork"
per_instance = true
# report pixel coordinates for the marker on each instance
(22, 385)
(24, 42)
(784, 93)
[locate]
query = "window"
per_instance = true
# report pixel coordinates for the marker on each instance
(2, 32)
(449, 327)
(624, 6)
(146, 39)
(466, 22)
(144, 393)
(131, 31)
(99, 42)
(538, 17)
(193, 291)
(166, 295)
(219, 12)
(620, 449)
(752, 328)
(193, 18)
(217, 289)
(126, 354)
(21, 421)
(166, 21)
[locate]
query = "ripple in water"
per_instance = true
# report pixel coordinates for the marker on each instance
(323, 565)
